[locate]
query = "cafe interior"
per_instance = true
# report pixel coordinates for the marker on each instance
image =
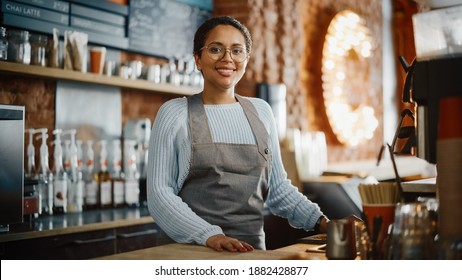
(366, 96)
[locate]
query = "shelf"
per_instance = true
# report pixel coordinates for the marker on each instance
(90, 78)
(89, 220)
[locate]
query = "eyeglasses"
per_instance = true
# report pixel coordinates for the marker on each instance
(217, 52)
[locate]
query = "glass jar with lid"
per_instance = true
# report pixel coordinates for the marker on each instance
(38, 49)
(19, 49)
(3, 44)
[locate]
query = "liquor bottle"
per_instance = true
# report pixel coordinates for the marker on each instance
(104, 178)
(117, 176)
(91, 180)
(45, 177)
(60, 177)
(74, 175)
(132, 183)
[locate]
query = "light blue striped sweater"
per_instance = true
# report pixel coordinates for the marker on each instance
(168, 166)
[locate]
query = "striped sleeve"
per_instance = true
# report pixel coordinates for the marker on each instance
(284, 199)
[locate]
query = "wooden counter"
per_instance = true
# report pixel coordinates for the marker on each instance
(178, 251)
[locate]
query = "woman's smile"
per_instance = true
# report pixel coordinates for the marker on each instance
(226, 71)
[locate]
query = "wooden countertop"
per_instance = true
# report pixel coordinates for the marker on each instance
(178, 251)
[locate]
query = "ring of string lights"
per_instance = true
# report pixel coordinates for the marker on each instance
(345, 79)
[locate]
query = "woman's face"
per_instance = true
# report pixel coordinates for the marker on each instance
(222, 74)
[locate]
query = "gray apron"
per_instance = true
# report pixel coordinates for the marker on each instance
(228, 183)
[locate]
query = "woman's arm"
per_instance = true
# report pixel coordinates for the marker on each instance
(284, 199)
(169, 139)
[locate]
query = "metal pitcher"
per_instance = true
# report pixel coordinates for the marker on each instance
(341, 241)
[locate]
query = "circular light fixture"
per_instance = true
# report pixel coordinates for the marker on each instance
(345, 77)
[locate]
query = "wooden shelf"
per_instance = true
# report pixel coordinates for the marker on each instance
(114, 81)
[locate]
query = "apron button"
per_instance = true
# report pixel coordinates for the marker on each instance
(266, 151)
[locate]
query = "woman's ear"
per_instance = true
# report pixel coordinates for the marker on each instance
(197, 59)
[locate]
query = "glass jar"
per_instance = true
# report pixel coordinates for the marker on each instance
(38, 49)
(19, 49)
(3, 44)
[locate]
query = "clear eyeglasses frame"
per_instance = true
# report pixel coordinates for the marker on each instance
(218, 51)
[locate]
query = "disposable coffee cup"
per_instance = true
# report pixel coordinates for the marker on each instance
(97, 58)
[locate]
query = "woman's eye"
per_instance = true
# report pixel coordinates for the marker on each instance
(237, 51)
(214, 49)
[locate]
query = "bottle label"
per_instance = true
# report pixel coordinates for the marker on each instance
(132, 192)
(60, 194)
(106, 193)
(46, 196)
(79, 195)
(91, 193)
(75, 203)
(118, 189)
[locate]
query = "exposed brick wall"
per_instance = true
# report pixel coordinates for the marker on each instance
(278, 45)
(38, 98)
(37, 95)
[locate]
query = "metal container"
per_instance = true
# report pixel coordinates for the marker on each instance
(341, 241)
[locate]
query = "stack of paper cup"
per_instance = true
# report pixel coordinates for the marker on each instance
(449, 163)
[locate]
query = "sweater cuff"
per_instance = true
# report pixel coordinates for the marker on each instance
(201, 237)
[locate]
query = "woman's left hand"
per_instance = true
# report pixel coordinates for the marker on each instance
(221, 242)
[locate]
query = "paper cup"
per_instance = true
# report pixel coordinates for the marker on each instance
(387, 212)
(97, 57)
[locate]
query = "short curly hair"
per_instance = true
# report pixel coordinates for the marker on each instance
(203, 31)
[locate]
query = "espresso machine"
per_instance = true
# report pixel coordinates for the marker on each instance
(427, 82)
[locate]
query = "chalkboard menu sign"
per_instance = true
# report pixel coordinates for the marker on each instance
(163, 27)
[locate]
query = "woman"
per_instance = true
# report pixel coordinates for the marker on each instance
(214, 158)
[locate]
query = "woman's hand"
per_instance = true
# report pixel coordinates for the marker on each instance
(351, 219)
(221, 242)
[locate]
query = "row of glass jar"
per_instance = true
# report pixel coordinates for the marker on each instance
(24, 47)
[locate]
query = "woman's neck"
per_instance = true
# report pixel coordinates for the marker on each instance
(216, 97)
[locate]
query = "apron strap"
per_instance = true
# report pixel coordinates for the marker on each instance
(258, 128)
(197, 116)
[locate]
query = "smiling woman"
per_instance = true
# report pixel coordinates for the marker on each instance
(214, 158)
